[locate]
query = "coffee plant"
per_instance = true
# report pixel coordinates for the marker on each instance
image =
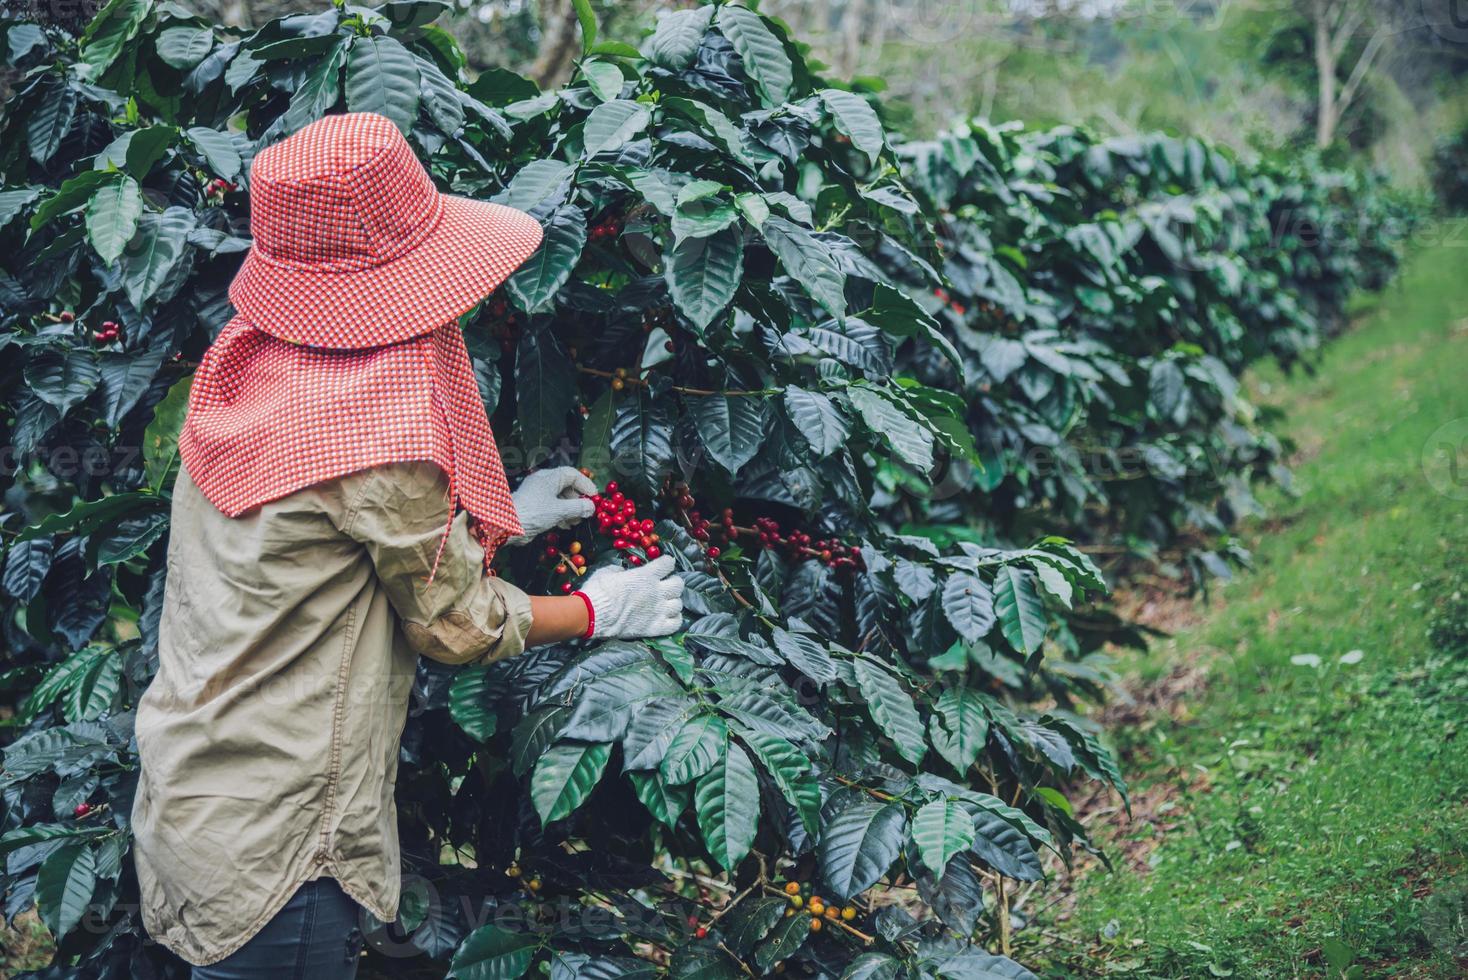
(802, 357)
(1106, 295)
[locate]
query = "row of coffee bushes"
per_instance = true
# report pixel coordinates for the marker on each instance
(1107, 296)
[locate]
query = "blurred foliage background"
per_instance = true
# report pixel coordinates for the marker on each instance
(1366, 81)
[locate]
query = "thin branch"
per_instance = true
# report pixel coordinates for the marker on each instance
(699, 879)
(1358, 74)
(867, 789)
(742, 965)
(729, 906)
(1351, 21)
(629, 380)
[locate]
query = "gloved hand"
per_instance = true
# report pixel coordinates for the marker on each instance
(635, 602)
(552, 498)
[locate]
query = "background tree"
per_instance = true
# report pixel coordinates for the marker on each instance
(1348, 37)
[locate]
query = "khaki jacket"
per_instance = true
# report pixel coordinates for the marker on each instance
(270, 735)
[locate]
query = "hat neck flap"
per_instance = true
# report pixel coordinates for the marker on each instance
(268, 417)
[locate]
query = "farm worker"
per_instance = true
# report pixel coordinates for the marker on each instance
(339, 499)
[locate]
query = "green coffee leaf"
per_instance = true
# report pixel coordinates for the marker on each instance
(383, 78)
(1020, 610)
(112, 217)
(319, 92)
(185, 46)
(855, 117)
(942, 829)
(703, 274)
(535, 284)
(677, 37)
(859, 844)
(565, 776)
(892, 709)
(731, 427)
(493, 953)
(726, 801)
(764, 56)
(612, 124)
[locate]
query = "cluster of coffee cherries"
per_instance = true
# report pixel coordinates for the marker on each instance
(623, 379)
(504, 328)
(766, 532)
(999, 317)
(659, 316)
(799, 544)
(110, 332)
(218, 187)
(608, 228)
(802, 899)
(533, 882)
(662, 316)
(952, 303)
(680, 500)
(615, 518)
(569, 561)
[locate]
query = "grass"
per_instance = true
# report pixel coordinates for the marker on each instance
(1316, 822)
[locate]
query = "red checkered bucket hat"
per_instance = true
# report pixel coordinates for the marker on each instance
(355, 247)
(346, 352)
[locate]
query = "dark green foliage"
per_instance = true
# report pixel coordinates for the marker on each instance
(1450, 172)
(741, 288)
(1106, 295)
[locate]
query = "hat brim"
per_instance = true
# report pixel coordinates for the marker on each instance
(474, 248)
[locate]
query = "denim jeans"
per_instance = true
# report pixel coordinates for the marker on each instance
(316, 936)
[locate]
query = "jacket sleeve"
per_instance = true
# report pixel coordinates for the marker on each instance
(399, 512)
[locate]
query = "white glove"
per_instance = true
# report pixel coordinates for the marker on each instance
(633, 602)
(552, 498)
